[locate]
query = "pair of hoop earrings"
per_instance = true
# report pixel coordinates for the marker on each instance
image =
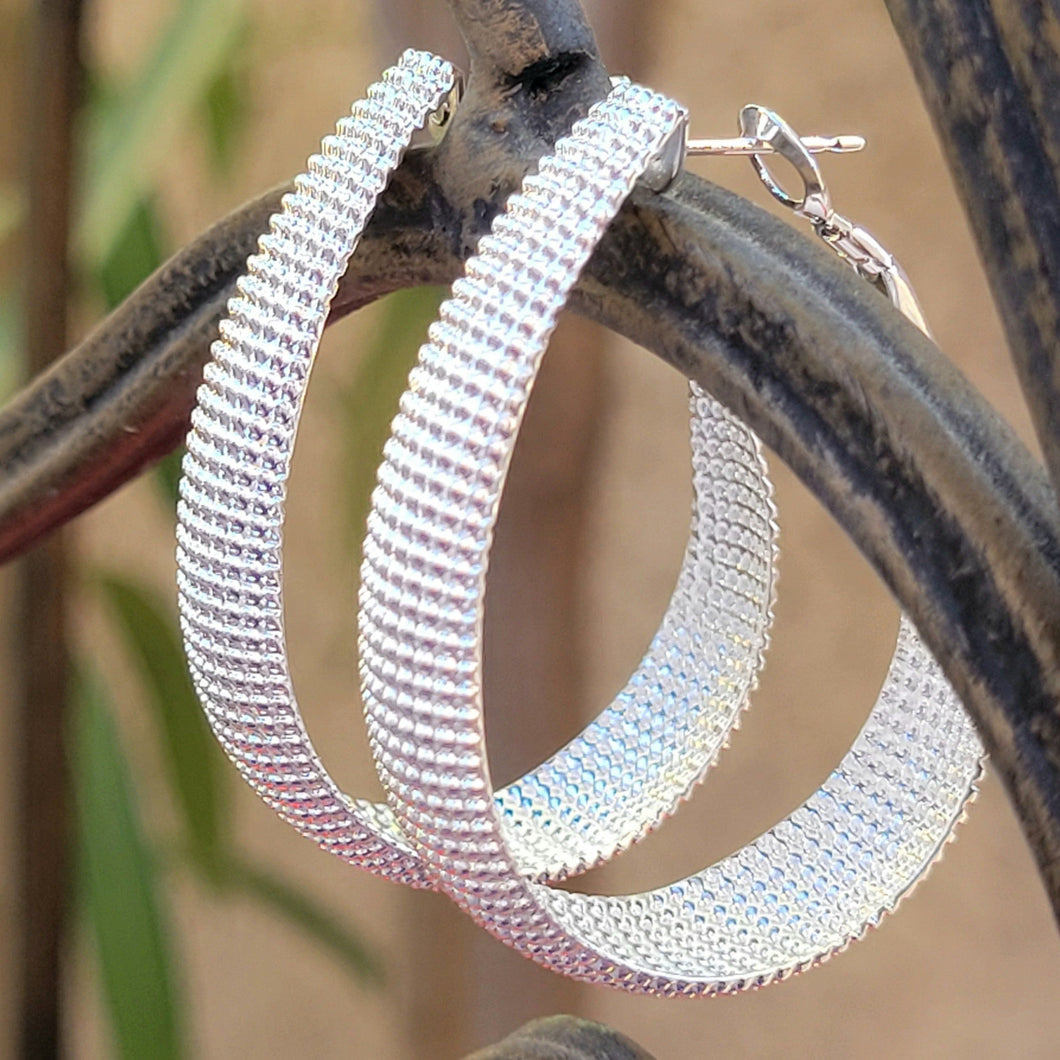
(799, 893)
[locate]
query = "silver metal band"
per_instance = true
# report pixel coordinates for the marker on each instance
(233, 489)
(800, 892)
(230, 532)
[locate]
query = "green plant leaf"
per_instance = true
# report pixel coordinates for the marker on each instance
(120, 890)
(304, 913)
(194, 763)
(138, 250)
(226, 107)
(370, 401)
(132, 137)
(10, 343)
(167, 477)
(12, 212)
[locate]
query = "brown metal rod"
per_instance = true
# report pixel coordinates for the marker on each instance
(563, 1038)
(43, 816)
(989, 72)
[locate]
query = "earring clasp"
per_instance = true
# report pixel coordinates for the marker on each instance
(765, 133)
(760, 136)
(437, 123)
(856, 246)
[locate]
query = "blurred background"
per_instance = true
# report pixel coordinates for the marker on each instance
(198, 924)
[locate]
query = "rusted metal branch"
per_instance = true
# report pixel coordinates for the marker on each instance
(989, 72)
(563, 1038)
(41, 667)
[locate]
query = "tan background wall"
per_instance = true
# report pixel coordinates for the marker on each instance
(970, 966)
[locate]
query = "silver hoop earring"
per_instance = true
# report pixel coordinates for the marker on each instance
(793, 897)
(230, 528)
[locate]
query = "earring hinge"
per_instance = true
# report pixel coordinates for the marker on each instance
(437, 123)
(664, 168)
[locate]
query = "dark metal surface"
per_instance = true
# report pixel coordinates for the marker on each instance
(952, 511)
(39, 673)
(121, 398)
(989, 72)
(563, 1038)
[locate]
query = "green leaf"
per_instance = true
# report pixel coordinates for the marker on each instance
(132, 138)
(12, 212)
(305, 914)
(226, 107)
(10, 343)
(194, 763)
(136, 253)
(120, 889)
(167, 477)
(370, 401)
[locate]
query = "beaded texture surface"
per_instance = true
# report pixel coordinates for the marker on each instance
(233, 489)
(663, 730)
(796, 895)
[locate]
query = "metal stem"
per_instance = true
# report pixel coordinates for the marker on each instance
(747, 145)
(41, 660)
(989, 72)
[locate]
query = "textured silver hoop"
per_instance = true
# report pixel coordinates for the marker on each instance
(230, 525)
(793, 897)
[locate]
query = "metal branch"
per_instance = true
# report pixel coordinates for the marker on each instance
(989, 72)
(933, 487)
(522, 40)
(39, 672)
(563, 1038)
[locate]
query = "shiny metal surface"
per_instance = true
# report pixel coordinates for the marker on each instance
(230, 566)
(798, 894)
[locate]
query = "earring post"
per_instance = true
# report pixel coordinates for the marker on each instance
(749, 145)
